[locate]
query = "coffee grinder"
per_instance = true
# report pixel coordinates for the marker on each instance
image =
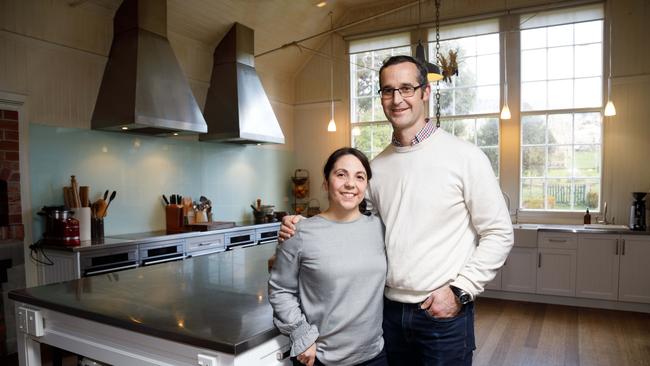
(637, 212)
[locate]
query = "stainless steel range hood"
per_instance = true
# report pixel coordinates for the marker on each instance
(237, 109)
(143, 89)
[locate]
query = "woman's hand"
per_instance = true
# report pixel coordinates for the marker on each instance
(309, 356)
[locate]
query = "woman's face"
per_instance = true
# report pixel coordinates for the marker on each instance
(347, 182)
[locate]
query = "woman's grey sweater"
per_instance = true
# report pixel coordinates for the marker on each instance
(327, 287)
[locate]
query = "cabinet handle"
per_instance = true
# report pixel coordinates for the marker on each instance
(623, 249)
(616, 247)
(557, 240)
(539, 260)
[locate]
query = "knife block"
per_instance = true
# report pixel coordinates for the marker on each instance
(174, 219)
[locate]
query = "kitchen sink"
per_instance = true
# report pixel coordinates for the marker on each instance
(525, 226)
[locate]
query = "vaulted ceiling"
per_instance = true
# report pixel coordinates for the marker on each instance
(275, 22)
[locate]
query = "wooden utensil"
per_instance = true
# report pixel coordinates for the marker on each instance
(100, 208)
(84, 194)
(75, 191)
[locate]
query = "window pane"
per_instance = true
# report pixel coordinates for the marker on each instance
(588, 92)
(487, 132)
(589, 60)
(363, 109)
(533, 65)
(560, 94)
(587, 160)
(587, 194)
(487, 99)
(532, 193)
(560, 129)
(377, 110)
(464, 129)
(493, 155)
(446, 102)
(533, 38)
(533, 161)
(587, 128)
(559, 161)
(364, 83)
(486, 66)
(588, 32)
(373, 139)
(533, 96)
(560, 35)
(558, 194)
(533, 130)
(487, 44)
(560, 62)
(466, 73)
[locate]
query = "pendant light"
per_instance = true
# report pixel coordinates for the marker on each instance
(433, 70)
(331, 126)
(610, 110)
(505, 111)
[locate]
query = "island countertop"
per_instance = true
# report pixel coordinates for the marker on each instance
(216, 301)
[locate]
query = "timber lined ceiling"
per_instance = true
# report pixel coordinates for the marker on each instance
(275, 22)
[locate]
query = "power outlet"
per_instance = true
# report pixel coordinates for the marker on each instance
(205, 360)
(21, 319)
(35, 323)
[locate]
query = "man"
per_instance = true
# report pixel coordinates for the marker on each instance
(447, 227)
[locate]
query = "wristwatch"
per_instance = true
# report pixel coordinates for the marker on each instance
(463, 297)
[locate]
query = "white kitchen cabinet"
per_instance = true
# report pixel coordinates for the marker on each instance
(556, 263)
(598, 266)
(519, 274)
(634, 276)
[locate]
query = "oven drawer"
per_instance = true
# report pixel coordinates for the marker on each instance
(108, 260)
(240, 239)
(267, 235)
(161, 251)
(205, 244)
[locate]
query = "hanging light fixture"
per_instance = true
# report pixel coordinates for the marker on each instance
(331, 126)
(505, 111)
(610, 110)
(437, 57)
(433, 70)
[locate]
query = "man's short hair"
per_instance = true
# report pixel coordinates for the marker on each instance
(394, 60)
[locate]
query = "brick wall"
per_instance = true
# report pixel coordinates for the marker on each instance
(10, 172)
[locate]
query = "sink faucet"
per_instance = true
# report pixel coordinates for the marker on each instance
(603, 219)
(507, 198)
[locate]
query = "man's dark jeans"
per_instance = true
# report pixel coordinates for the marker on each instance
(413, 337)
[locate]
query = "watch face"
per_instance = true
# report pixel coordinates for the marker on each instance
(464, 299)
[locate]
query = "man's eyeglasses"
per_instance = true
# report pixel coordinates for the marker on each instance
(405, 91)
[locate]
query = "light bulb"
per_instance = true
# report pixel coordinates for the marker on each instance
(610, 110)
(505, 112)
(331, 127)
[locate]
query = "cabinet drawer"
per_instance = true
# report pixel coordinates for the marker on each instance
(212, 242)
(558, 240)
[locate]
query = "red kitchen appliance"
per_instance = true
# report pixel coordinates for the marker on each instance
(60, 227)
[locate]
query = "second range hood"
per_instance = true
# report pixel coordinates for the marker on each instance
(237, 109)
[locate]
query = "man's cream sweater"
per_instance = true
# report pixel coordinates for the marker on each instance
(445, 217)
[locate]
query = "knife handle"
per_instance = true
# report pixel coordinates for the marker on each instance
(165, 199)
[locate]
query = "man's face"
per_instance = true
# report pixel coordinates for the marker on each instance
(402, 112)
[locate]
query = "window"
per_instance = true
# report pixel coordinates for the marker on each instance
(561, 98)
(367, 115)
(469, 103)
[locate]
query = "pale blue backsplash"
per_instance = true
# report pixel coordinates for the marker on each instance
(142, 168)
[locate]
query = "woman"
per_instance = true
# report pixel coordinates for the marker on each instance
(327, 283)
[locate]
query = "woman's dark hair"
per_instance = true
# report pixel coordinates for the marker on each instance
(334, 157)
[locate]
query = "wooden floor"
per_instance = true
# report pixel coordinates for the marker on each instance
(522, 333)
